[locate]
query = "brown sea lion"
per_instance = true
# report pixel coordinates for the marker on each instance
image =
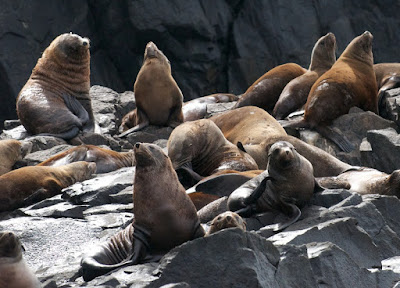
(31, 184)
(287, 183)
(266, 90)
(350, 82)
(10, 153)
(200, 147)
(106, 160)
(257, 131)
(295, 93)
(164, 217)
(14, 272)
(364, 180)
(387, 77)
(55, 101)
(158, 97)
(197, 108)
(226, 220)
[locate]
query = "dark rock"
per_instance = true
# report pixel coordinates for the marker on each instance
(329, 197)
(390, 105)
(11, 124)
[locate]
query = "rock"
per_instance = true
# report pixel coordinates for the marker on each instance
(329, 197)
(213, 109)
(11, 124)
(149, 134)
(390, 105)
(17, 133)
(40, 143)
(382, 151)
(41, 155)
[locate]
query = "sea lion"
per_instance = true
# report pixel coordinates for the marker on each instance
(257, 131)
(10, 153)
(295, 93)
(350, 82)
(164, 217)
(387, 77)
(226, 220)
(266, 90)
(31, 184)
(287, 183)
(55, 100)
(106, 160)
(200, 147)
(158, 97)
(197, 108)
(365, 180)
(14, 272)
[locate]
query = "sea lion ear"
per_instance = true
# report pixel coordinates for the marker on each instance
(240, 146)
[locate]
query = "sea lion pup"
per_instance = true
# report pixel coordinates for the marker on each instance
(10, 153)
(226, 220)
(14, 272)
(106, 160)
(164, 217)
(200, 149)
(287, 183)
(350, 82)
(55, 101)
(364, 180)
(197, 108)
(387, 77)
(295, 93)
(257, 131)
(266, 90)
(158, 97)
(28, 185)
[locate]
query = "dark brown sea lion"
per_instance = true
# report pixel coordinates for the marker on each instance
(295, 93)
(197, 108)
(55, 101)
(350, 82)
(266, 90)
(14, 272)
(31, 184)
(106, 160)
(365, 181)
(257, 131)
(387, 77)
(201, 147)
(226, 220)
(158, 97)
(287, 183)
(164, 217)
(10, 153)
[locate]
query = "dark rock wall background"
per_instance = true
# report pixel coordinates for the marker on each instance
(213, 46)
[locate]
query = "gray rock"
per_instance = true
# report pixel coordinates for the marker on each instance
(17, 133)
(329, 197)
(390, 105)
(213, 109)
(149, 134)
(42, 155)
(11, 124)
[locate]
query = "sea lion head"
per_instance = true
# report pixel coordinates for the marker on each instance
(323, 53)
(152, 53)
(360, 48)
(150, 157)
(71, 46)
(282, 155)
(10, 245)
(225, 220)
(394, 183)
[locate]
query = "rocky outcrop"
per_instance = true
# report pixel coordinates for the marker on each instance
(220, 46)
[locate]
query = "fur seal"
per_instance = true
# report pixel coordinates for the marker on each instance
(55, 100)
(287, 183)
(266, 90)
(350, 82)
(10, 153)
(226, 220)
(295, 93)
(257, 131)
(200, 148)
(31, 184)
(106, 160)
(14, 272)
(387, 77)
(158, 97)
(164, 217)
(365, 180)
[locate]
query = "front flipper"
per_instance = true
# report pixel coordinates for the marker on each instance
(76, 107)
(187, 176)
(134, 129)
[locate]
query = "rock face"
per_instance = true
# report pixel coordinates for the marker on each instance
(224, 46)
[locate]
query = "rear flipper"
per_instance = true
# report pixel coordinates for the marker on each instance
(336, 137)
(294, 214)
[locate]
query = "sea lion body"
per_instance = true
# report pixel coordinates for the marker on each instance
(106, 160)
(196, 109)
(202, 144)
(10, 153)
(265, 91)
(350, 82)
(158, 97)
(365, 181)
(257, 131)
(55, 100)
(14, 272)
(387, 75)
(295, 93)
(164, 216)
(31, 184)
